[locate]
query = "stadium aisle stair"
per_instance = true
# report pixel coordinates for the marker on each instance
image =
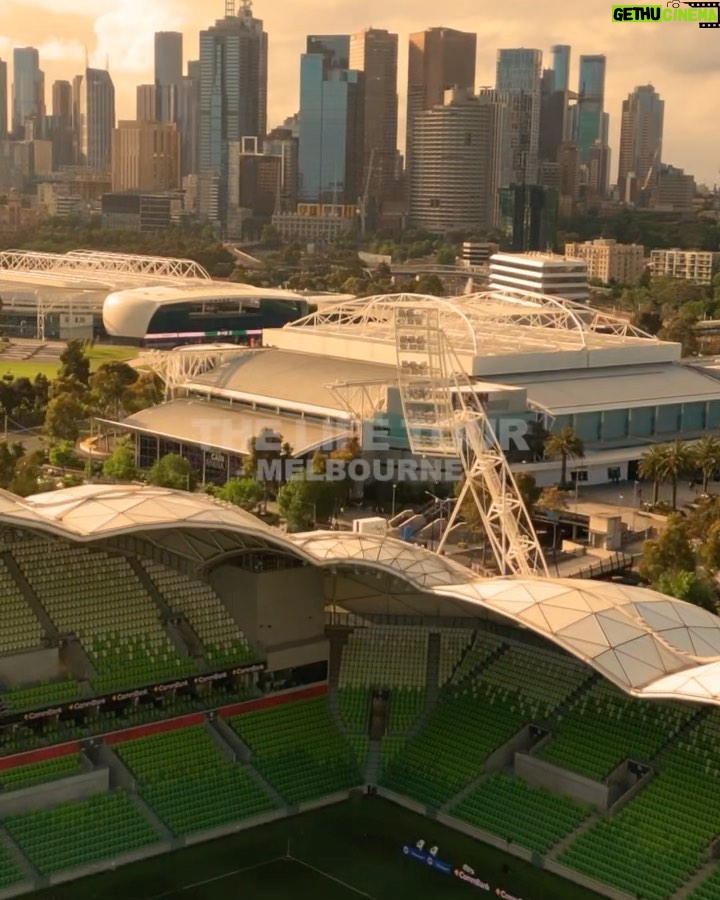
(531, 817)
(298, 749)
(99, 598)
(709, 889)
(521, 686)
(224, 642)
(656, 842)
(605, 726)
(187, 781)
(79, 833)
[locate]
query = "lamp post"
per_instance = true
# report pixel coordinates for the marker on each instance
(392, 514)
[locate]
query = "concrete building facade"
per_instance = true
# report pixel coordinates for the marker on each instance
(688, 265)
(539, 273)
(607, 260)
(145, 157)
(460, 163)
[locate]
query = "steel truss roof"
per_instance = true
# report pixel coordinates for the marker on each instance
(516, 318)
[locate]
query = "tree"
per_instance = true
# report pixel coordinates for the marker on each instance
(63, 417)
(10, 455)
(652, 468)
(27, 474)
(62, 455)
(677, 461)
(680, 328)
(688, 586)
(529, 490)
(706, 456)
(172, 471)
(302, 503)
(74, 363)
(110, 385)
(566, 445)
(670, 552)
(120, 465)
(552, 499)
(243, 492)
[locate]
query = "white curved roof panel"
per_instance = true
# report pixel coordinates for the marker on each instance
(650, 645)
(128, 313)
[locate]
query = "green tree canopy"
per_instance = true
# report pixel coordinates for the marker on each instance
(63, 417)
(109, 386)
(243, 492)
(74, 363)
(671, 552)
(120, 465)
(302, 502)
(62, 455)
(172, 471)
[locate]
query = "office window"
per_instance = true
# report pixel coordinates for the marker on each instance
(669, 418)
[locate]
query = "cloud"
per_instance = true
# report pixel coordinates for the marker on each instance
(125, 33)
(56, 50)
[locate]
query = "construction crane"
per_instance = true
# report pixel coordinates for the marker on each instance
(363, 201)
(445, 417)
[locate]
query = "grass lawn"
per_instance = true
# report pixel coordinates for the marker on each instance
(342, 852)
(29, 368)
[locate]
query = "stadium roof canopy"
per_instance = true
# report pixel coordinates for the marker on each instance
(650, 645)
(492, 333)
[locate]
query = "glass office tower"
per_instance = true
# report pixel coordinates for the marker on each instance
(591, 99)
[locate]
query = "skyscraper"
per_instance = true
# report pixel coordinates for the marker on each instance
(28, 104)
(58, 126)
(590, 103)
(518, 80)
(553, 113)
(168, 72)
(187, 118)
(62, 101)
(3, 100)
(561, 66)
(460, 163)
(94, 118)
(641, 134)
(439, 59)
(145, 157)
(374, 52)
(233, 98)
(332, 114)
(145, 103)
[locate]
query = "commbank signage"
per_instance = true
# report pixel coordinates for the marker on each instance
(111, 701)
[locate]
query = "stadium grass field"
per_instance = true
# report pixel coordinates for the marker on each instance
(342, 852)
(98, 354)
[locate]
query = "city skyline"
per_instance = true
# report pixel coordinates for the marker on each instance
(680, 60)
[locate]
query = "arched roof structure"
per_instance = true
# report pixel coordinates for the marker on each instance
(650, 645)
(471, 320)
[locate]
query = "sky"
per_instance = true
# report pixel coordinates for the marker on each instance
(681, 60)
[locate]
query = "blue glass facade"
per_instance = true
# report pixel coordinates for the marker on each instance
(561, 67)
(591, 98)
(330, 158)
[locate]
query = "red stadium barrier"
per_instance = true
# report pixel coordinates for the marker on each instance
(35, 756)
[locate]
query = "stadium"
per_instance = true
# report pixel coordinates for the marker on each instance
(331, 714)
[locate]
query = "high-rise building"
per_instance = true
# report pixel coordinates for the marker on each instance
(688, 265)
(168, 72)
(331, 119)
(28, 103)
(233, 98)
(553, 111)
(561, 66)
(283, 142)
(460, 163)
(3, 100)
(58, 126)
(62, 101)
(641, 135)
(439, 59)
(94, 118)
(598, 168)
(518, 80)
(674, 190)
(374, 53)
(528, 215)
(590, 104)
(146, 106)
(145, 157)
(187, 118)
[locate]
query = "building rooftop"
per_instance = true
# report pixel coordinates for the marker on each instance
(650, 645)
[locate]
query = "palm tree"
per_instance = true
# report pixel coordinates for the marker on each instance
(706, 455)
(652, 467)
(677, 461)
(566, 445)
